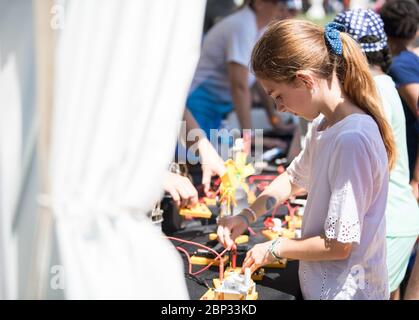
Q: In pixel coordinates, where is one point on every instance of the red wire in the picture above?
(251, 231)
(187, 256)
(217, 255)
(274, 210)
(233, 259)
(210, 264)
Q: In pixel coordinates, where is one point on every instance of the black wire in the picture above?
(198, 280)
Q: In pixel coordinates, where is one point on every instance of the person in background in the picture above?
(222, 80)
(402, 211)
(412, 289)
(401, 18)
(400, 22)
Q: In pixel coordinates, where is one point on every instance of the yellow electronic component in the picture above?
(210, 201)
(290, 234)
(279, 264)
(258, 274)
(216, 282)
(203, 261)
(200, 210)
(242, 239)
(233, 296)
(271, 235)
(235, 176)
(294, 222)
(218, 293)
(239, 240)
(251, 197)
(212, 236)
(230, 270)
(211, 295)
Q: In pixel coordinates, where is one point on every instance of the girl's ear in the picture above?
(305, 78)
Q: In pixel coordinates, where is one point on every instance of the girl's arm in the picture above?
(310, 249)
(313, 249)
(279, 190)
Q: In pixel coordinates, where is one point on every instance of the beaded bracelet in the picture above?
(272, 248)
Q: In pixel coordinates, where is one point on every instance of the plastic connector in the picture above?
(200, 210)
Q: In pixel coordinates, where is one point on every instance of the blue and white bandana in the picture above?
(362, 22)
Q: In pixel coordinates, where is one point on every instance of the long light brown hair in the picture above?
(292, 45)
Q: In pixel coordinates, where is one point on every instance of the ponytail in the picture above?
(360, 87)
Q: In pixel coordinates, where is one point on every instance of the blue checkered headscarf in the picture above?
(360, 23)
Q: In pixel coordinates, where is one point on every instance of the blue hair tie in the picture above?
(332, 37)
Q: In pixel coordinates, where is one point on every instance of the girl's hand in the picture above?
(229, 228)
(258, 256)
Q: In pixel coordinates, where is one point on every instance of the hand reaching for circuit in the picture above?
(258, 256)
(211, 163)
(229, 228)
(181, 189)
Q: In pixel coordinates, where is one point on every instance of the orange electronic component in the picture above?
(203, 261)
(200, 210)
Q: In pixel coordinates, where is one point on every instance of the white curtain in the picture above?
(123, 69)
(17, 144)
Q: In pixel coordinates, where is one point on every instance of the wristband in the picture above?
(252, 212)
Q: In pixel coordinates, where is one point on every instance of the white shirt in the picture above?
(344, 170)
(230, 40)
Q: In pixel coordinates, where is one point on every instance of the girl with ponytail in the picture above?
(322, 75)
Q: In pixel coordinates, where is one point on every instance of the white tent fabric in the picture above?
(17, 140)
(123, 69)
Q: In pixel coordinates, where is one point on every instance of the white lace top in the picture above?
(344, 170)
